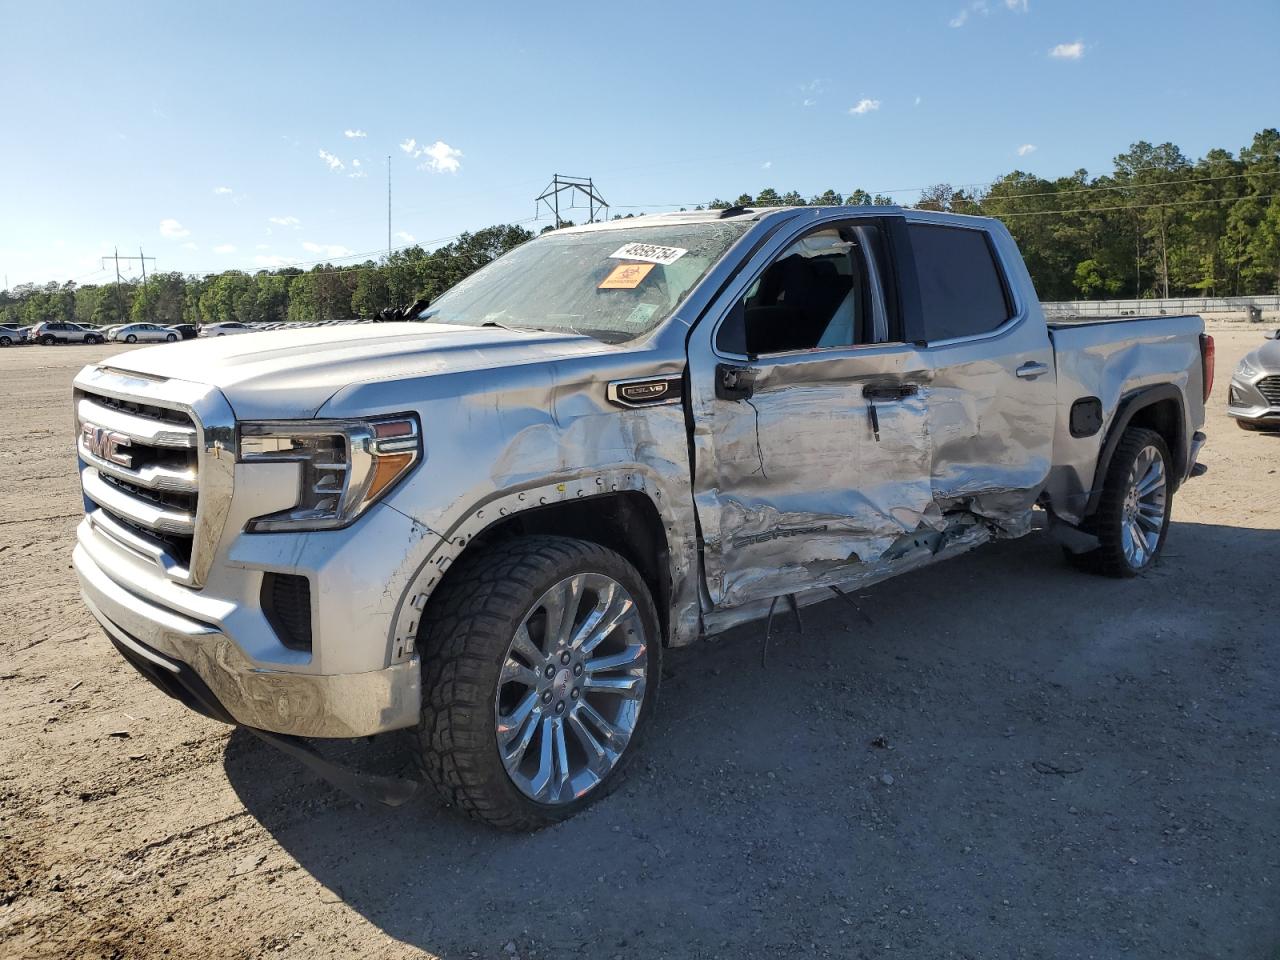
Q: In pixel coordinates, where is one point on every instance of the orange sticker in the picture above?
(625, 276)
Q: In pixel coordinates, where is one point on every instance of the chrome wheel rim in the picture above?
(1145, 502)
(571, 688)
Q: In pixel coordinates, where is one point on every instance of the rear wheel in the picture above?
(47, 340)
(6, 341)
(541, 663)
(1132, 520)
(171, 337)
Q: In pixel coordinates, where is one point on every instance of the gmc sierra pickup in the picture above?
(486, 525)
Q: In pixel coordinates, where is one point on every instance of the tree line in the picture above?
(1157, 225)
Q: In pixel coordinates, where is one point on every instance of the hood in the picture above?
(1266, 357)
(289, 374)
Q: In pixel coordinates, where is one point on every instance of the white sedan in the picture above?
(224, 329)
(145, 333)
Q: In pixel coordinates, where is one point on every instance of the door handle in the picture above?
(888, 392)
(1032, 369)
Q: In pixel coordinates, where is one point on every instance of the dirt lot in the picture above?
(1075, 767)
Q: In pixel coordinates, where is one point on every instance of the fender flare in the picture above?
(1129, 406)
(685, 615)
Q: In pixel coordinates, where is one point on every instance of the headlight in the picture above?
(345, 466)
(1246, 369)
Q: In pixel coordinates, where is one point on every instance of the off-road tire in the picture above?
(463, 641)
(1108, 559)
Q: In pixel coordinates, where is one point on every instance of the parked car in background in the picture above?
(1254, 395)
(145, 333)
(53, 332)
(12, 336)
(488, 524)
(187, 331)
(223, 329)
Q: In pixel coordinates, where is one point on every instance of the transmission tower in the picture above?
(596, 205)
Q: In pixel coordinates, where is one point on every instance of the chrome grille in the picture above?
(140, 465)
(1269, 387)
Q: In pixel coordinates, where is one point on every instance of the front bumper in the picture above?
(155, 638)
(1246, 401)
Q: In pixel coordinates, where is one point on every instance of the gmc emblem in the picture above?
(106, 444)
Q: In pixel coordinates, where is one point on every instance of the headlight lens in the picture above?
(345, 466)
(1246, 369)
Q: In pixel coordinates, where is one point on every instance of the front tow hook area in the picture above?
(362, 787)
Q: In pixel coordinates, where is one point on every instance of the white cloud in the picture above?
(333, 162)
(404, 237)
(271, 260)
(1016, 5)
(1026, 148)
(262, 246)
(328, 249)
(1068, 51)
(808, 102)
(960, 19)
(223, 191)
(355, 163)
(766, 165)
(354, 134)
(864, 106)
(919, 99)
(442, 158)
(189, 246)
(358, 175)
(225, 248)
(173, 229)
(285, 221)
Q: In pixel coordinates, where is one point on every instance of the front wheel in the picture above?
(1132, 521)
(541, 662)
(131, 339)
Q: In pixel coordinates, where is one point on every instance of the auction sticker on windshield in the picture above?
(648, 252)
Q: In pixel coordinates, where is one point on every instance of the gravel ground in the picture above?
(1014, 760)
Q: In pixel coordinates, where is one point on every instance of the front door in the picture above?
(811, 443)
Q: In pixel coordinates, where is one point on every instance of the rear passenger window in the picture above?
(961, 290)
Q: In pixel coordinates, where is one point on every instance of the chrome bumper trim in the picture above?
(302, 704)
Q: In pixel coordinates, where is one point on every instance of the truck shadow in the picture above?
(958, 775)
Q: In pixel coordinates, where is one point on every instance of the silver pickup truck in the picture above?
(486, 525)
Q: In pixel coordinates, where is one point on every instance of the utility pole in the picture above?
(574, 185)
(117, 258)
(388, 208)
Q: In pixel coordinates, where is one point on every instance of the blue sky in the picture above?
(246, 135)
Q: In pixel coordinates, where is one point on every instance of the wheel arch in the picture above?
(629, 510)
(1159, 408)
(625, 521)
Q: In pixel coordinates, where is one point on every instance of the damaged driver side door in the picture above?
(811, 445)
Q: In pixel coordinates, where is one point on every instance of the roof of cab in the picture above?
(747, 214)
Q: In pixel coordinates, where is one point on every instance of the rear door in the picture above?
(810, 438)
(992, 395)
